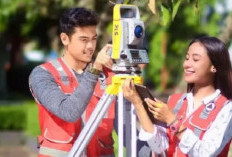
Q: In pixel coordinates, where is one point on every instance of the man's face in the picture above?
(81, 44)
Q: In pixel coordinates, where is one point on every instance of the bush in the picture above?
(20, 117)
(32, 125)
(12, 117)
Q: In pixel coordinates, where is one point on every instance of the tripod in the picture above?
(127, 53)
(101, 108)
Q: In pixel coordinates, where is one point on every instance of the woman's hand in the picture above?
(160, 110)
(130, 93)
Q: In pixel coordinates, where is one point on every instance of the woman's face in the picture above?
(198, 68)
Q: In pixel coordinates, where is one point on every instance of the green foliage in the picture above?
(32, 125)
(20, 117)
(169, 12)
(175, 8)
(31, 11)
(189, 12)
(156, 58)
(109, 28)
(12, 118)
(211, 26)
(181, 20)
(176, 50)
(165, 15)
(115, 137)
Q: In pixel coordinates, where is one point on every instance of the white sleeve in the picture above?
(214, 139)
(157, 141)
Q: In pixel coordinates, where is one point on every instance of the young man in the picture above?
(66, 89)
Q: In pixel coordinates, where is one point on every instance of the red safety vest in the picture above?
(102, 141)
(58, 136)
(199, 121)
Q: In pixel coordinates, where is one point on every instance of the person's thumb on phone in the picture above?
(159, 103)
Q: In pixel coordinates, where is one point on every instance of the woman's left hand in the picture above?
(160, 110)
(130, 93)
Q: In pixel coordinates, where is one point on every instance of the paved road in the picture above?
(15, 144)
(16, 151)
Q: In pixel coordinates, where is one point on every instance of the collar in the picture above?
(207, 99)
(211, 97)
(80, 71)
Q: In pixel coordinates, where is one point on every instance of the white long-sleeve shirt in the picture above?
(213, 141)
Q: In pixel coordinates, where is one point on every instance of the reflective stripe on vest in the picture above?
(100, 144)
(201, 112)
(201, 119)
(59, 69)
(198, 117)
(52, 152)
(98, 92)
(179, 104)
(55, 153)
(57, 134)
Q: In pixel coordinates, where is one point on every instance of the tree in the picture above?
(169, 26)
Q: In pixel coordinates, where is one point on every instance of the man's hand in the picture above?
(103, 58)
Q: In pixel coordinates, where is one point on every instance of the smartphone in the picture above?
(144, 92)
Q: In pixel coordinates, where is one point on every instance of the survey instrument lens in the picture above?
(138, 31)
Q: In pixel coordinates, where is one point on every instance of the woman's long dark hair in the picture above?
(219, 56)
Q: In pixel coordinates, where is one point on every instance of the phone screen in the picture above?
(144, 92)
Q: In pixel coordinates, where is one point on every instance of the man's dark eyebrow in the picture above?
(83, 37)
(195, 54)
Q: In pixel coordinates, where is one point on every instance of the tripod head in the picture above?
(128, 35)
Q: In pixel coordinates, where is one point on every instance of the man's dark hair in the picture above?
(77, 17)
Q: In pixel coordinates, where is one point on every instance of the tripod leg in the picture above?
(126, 110)
(133, 132)
(120, 124)
(127, 126)
(91, 125)
(130, 129)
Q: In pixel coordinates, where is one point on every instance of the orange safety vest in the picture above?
(58, 136)
(199, 121)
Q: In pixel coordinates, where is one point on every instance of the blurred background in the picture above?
(29, 36)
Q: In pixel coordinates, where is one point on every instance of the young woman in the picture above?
(197, 123)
